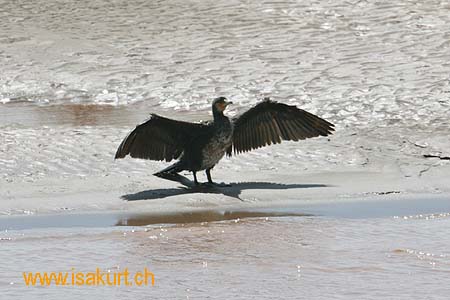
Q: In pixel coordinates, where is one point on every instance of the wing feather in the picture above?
(159, 138)
(270, 122)
(266, 130)
(276, 131)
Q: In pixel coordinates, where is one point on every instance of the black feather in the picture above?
(270, 122)
(159, 138)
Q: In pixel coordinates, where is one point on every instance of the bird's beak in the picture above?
(228, 103)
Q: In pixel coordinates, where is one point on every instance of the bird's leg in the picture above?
(208, 174)
(195, 177)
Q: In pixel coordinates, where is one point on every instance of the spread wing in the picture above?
(270, 122)
(159, 138)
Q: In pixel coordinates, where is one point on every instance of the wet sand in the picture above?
(356, 216)
(354, 209)
(292, 257)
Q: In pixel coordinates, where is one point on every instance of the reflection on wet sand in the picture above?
(108, 219)
(70, 114)
(83, 114)
(200, 216)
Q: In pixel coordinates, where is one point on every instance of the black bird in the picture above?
(200, 146)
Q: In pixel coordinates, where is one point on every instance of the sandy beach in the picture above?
(64, 169)
(361, 214)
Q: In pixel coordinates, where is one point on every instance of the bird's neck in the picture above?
(219, 116)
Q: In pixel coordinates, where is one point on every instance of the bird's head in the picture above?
(219, 104)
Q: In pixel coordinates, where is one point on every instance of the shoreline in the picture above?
(415, 205)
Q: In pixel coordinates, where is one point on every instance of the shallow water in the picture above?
(291, 257)
(359, 63)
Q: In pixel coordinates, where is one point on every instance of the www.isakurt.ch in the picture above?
(97, 278)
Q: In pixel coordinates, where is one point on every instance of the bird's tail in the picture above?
(170, 170)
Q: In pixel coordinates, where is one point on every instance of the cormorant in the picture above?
(200, 146)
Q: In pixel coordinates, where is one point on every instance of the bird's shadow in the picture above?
(232, 190)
